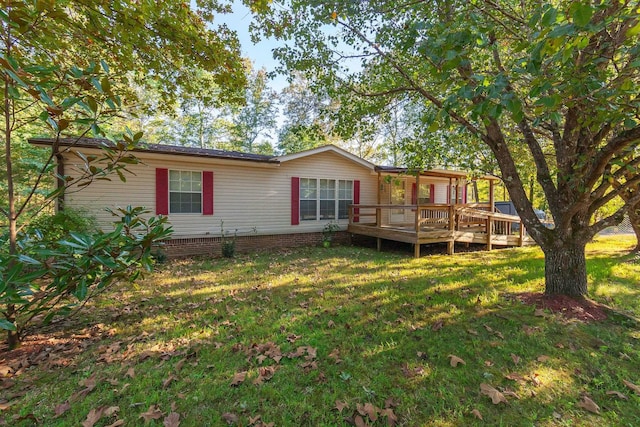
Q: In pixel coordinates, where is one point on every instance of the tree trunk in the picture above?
(634, 218)
(565, 270)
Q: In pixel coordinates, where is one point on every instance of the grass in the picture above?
(383, 327)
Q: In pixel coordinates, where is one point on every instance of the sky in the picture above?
(261, 53)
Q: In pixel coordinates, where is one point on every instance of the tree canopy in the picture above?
(553, 81)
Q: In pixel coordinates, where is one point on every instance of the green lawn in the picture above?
(289, 338)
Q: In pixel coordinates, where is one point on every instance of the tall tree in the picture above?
(256, 118)
(64, 66)
(306, 117)
(560, 78)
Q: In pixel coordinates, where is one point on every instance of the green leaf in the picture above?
(104, 65)
(582, 14)
(6, 325)
(630, 124)
(549, 17)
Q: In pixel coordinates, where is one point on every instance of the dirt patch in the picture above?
(581, 309)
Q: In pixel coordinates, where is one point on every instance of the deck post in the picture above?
(489, 232)
(451, 247)
(416, 250)
(378, 244)
(492, 204)
(521, 238)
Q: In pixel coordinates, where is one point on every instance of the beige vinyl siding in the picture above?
(250, 197)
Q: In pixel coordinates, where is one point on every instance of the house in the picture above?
(267, 201)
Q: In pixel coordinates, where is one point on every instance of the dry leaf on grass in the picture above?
(359, 421)
(172, 420)
(632, 386)
(589, 405)
(495, 395)
(153, 413)
(116, 424)
(543, 358)
(340, 405)
(476, 414)
(455, 360)
(515, 358)
(93, 417)
(392, 418)
(238, 378)
(131, 372)
(62, 408)
(617, 394)
(230, 418)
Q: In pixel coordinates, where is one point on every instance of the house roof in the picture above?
(161, 149)
(440, 173)
(328, 148)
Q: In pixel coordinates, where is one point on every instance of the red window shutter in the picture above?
(432, 193)
(162, 191)
(356, 200)
(207, 193)
(414, 194)
(295, 200)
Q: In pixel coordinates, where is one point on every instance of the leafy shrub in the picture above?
(61, 224)
(56, 278)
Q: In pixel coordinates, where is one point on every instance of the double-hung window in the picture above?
(325, 199)
(185, 192)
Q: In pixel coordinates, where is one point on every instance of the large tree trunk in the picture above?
(565, 269)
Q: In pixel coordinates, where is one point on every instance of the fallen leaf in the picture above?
(391, 402)
(371, 411)
(495, 395)
(111, 410)
(392, 419)
(131, 372)
(62, 408)
(509, 392)
(515, 358)
(437, 326)
(168, 381)
(589, 405)
(230, 418)
(331, 324)
(455, 360)
(254, 420)
(359, 421)
(476, 414)
(617, 394)
(93, 417)
(172, 420)
(238, 378)
(543, 358)
(116, 424)
(472, 331)
(632, 386)
(539, 312)
(341, 405)
(153, 413)
(515, 377)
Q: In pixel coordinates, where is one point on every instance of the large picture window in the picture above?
(325, 199)
(185, 192)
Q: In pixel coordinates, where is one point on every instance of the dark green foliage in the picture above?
(61, 224)
(49, 278)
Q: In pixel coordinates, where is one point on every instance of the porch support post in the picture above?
(378, 210)
(416, 249)
(378, 244)
(521, 238)
(417, 218)
(451, 245)
(489, 225)
(492, 203)
(457, 190)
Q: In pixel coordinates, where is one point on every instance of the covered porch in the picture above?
(434, 206)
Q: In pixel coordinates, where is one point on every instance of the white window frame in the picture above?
(183, 191)
(304, 188)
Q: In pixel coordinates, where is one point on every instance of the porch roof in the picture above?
(440, 173)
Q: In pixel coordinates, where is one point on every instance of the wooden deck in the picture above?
(438, 223)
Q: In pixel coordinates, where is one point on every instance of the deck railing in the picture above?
(474, 217)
